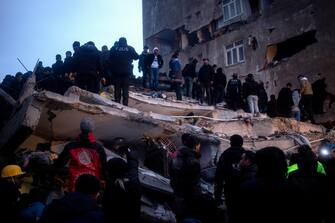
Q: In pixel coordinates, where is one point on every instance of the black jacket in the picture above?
(122, 197)
(234, 87)
(206, 74)
(10, 195)
(121, 59)
(87, 60)
(141, 62)
(250, 87)
(285, 102)
(68, 65)
(263, 99)
(11, 86)
(189, 70)
(150, 59)
(185, 172)
(267, 200)
(311, 196)
(227, 172)
(73, 208)
(58, 68)
(220, 80)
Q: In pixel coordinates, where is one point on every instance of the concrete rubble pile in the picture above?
(41, 117)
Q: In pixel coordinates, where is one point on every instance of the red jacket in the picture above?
(83, 156)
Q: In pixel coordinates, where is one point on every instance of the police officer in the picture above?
(122, 56)
(86, 63)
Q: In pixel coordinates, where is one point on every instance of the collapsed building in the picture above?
(276, 40)
(153, 126)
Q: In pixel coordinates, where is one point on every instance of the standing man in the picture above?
(306, 102)
(122, 56)
(143, 68)
(284, 101)
(219, 85)
(319, 94)
(67, 80)
(251, 92)
(105, 66)
(227, 176)
(68, 63)
(206, 74)
(76, 47)
(176, 75)
(234, 93)
(154, 63)
(185, 174)
(189, 74)
(87, 66)
(57, 67)
(58, 74)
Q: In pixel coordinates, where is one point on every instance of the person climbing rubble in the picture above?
(84, 155)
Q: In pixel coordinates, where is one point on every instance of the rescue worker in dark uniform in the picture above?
(87, 66)
(122, 55)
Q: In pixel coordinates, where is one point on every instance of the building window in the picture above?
(235, 53)
(231, 9)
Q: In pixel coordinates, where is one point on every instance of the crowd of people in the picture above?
(209, 85)
(83, 185)
(88, 68)
(91, 69)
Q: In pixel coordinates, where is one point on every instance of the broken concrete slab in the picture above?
(167, 107)
(255, 128)
(52, 117)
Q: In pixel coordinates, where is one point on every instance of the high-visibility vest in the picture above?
(294, 167)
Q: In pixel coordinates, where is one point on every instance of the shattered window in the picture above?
(235, 53)
(231, 9)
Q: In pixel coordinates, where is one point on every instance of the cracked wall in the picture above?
(278, 22)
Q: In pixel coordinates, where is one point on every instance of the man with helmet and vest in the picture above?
(84, 155)
(10, 183)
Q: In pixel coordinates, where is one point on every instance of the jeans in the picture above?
(154, 79)
(296, 115)
(253, 104)
(188, 86)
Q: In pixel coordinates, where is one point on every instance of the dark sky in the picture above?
(40, 29)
